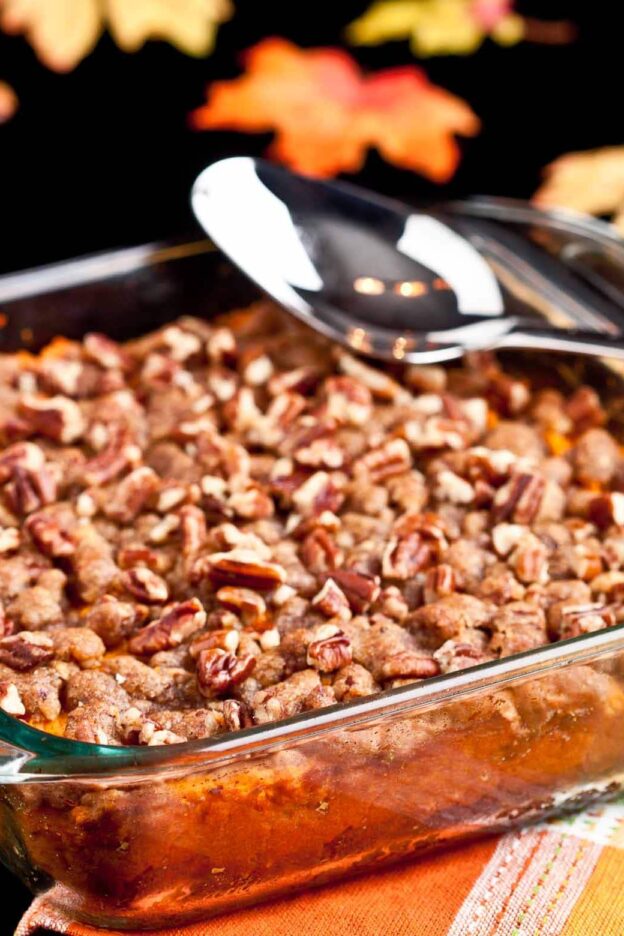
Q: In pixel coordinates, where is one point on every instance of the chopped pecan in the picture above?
(456, 655)
(319, 552)
(436, 433)
(9, 539)
(193, 529)
(244, 568)
(218, 671)
(114, 620)
(320, 453)
(226, 639)
(595, 457)
(241, 412)
(252, 504)
(146, 585)
(317, 494)
(119, 453)
(584, 409)
(300, 380)
(409, 664)
(451, 487)
(106, 352)
(529, 560)
(360, 590)
(392, 458)
(569, 620)
(49, 536)
(506, 536)
(519, 499)
(329, 649)
(58, 417)
(332, 601)
(221, 346)
(607, 509)
(353, 682)
(246, 602)
(132, 494)
(22, 652)
(236, 715)
(440, 580)
(380, 385)
(507, 396)
(30, 489)
(181, 344)
(405, 556)
(170, 630)
(24, 455)
(347, 401)
(10, 699)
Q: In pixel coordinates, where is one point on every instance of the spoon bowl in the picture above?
(399, 283)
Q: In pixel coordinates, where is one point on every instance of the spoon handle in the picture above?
(572, 342)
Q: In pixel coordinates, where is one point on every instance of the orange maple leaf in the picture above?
(326, 113)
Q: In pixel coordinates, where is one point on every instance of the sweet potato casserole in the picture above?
(222, 525)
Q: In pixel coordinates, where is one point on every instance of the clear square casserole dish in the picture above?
(142, 837)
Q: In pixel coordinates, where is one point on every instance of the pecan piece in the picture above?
(519, 499)
(348, 401)
(132, 494)
(329, 650)
(607, 509)
(24, 455)
(30, 489)
(567, 620)
(226, 639)
(193, 529)
(9, 540)
(244, 568)
(317, 494)
(246, 602)
(172, 629)
(409, 664)
(58, 417)
(332, 601)
(319, 552)
(392, 458)
(49, 536)
(146, 585)
(218, 671)
(380, 385)
(360, 589)
(440, 580)
(10, 699)
(236, 715)
(119, 453)
(106, 352)
(456, 655)
(22, 652)
(404, 557)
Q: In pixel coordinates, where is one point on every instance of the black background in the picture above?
(103, 157)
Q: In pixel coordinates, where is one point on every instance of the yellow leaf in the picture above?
(8, 102)
(191, 25)
(63, 32)
(592, 182)
(438, 27)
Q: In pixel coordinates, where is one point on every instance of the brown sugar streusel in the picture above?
(221, 525)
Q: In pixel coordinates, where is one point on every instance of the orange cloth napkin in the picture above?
(562, 878)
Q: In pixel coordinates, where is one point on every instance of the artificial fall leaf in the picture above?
(592, 182)
(326, 113)
(63, 32)
(8, 102)
(450, 27)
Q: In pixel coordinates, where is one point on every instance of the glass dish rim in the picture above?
(40, 756)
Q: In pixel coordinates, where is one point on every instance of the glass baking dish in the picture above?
(147, 837)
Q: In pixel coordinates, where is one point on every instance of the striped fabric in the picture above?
(561, 878)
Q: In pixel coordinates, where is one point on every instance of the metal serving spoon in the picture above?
(419, 286)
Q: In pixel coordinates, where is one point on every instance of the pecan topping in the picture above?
(193, 527)
(10, 699)
(519, 499)
(249, 604)
(329, 650)
(409, 664)
(218, 671)
(252, 504)
(404, 557)
(380, 385)
(332, 601)
(607, 509)
(360, 590)
(236, 715)
(440, 580)
(57, 417)
(227, 639)
(132, 494)
(348, 401)
(574, 620)
(317, 494)
(244, 568)
(319, 551)
(24, 455)
(119, 453)
(49, 536)
(146, 585)
(105, 352)
(22, 652)
(530, 560)
(176, 624)
(9, 540)
(30, 489)
(390, 459)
